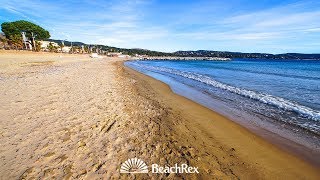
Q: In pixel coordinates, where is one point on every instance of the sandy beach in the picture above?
(73, 117)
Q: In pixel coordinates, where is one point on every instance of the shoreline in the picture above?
(243, 138)
(81, 118)
(299, 143)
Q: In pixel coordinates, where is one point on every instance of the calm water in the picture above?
(287, 91)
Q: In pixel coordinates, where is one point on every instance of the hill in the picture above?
(198, 53)
(226, 54)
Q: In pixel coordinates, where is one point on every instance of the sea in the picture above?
(284, 93)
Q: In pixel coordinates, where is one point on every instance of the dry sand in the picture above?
(74, 117)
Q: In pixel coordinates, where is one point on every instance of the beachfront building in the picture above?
(124, 56)
(117, 54)
(65, 49)
(45, 44)
(141, 56)
(114, 54)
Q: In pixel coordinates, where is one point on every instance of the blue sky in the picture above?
(169, 25)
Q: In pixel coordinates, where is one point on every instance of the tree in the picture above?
(38, 46)
(52, 48)
(15, 28)
(61, 46)
(16, 41)
(4, 41)
(86, 49)
(75, 49)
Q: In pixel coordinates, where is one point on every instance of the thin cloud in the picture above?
(198, 24)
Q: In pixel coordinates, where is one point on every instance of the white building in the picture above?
(45, 44)
(114, 54)
(66, 49)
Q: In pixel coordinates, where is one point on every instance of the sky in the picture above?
(269, 26)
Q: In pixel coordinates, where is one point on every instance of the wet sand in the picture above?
(74, 117)
(237, 151)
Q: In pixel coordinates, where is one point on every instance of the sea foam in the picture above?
(261, 97)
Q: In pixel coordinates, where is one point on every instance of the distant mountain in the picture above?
(198, 53)
(226, 54)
